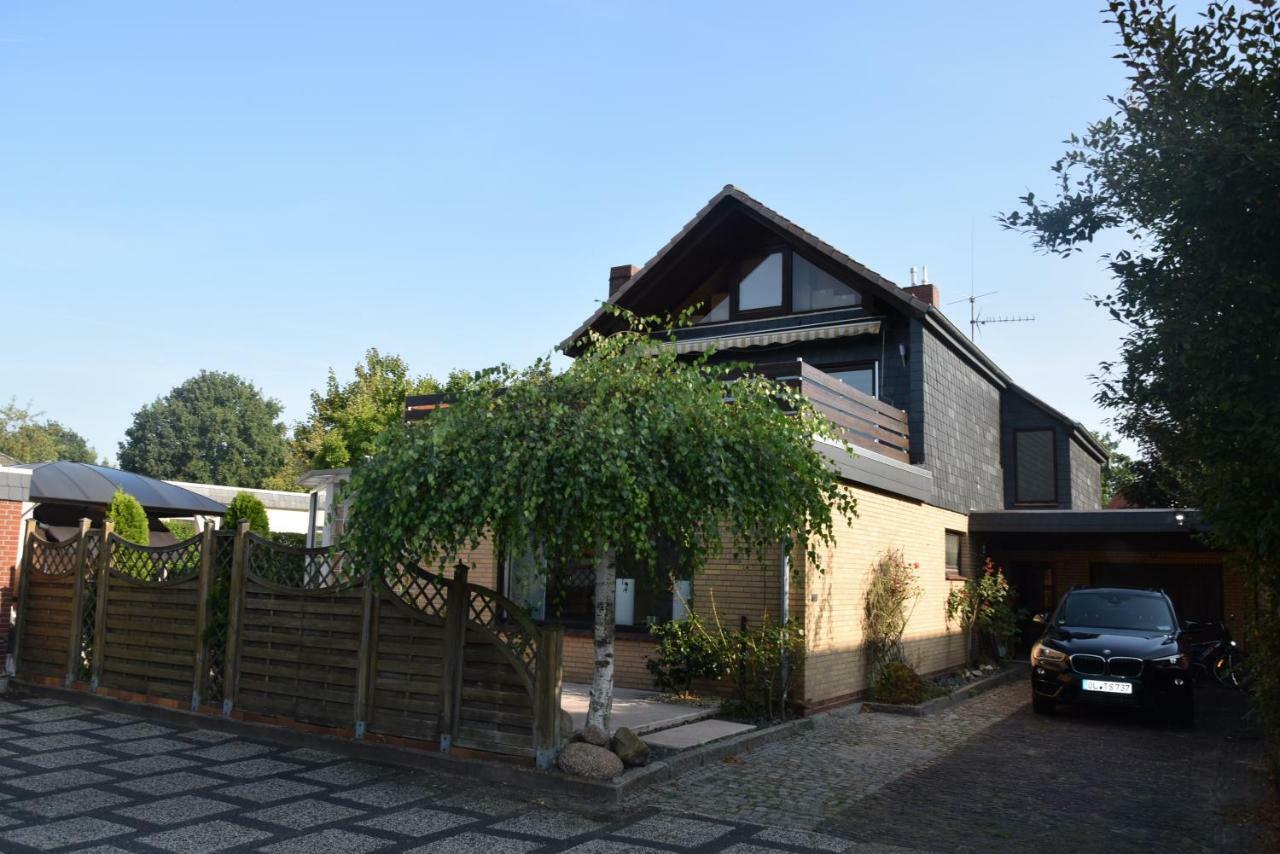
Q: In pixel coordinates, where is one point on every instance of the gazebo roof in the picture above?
(84, 484)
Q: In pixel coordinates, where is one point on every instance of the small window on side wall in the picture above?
(1035, 470)
(761, 288)
(955, 542)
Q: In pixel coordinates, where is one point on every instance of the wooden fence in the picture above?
(235, 623)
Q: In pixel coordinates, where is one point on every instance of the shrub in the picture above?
(751, 658)
(288, 538)
(685, 652)
(180, 528)
(892, 591)
(129, 518)
(246, 506)
(984, 609)
(899, 684)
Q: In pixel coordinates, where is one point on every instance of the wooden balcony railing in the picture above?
(867, 422)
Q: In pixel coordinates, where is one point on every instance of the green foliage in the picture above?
(892, 591)
(751, 659)
(214, 428)
(684, 652)
(288, 538)
(129, 518)
(347, 418)
(627, 448)
(180, 528)
(984, 609)
(1188, 167)
(245, 505)
(27, 439)
(898, 683)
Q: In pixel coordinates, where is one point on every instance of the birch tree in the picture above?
(628, 448)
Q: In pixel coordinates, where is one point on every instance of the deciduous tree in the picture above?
(28, 439)
(214, 428)
(627, 448)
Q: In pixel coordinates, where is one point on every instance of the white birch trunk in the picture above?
(601, 706)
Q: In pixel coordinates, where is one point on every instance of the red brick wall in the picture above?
(10, 537)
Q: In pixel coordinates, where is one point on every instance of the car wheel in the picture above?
(1041, 705)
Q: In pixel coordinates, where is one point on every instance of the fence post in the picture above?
(235, 609)
(548, 676)
(455, 639)
(103, 571)
(201, 673)
(24, 568)
(367, 665)
(75, 646)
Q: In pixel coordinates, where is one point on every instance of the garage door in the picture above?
(1196, 590)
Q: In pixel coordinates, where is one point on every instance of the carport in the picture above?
(1045, 552)
(65, 492)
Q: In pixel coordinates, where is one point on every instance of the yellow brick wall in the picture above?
(835, 667)
(629, 654)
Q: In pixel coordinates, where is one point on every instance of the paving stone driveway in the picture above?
(76, 778)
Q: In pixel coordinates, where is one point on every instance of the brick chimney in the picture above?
(926, 293)
(619, 276)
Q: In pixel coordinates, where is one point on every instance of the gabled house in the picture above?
(954, 461)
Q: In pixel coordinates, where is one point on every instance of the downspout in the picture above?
(784, 608)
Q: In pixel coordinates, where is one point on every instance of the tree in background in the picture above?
(29, 440)
(1186, 170)
(214, 428)
(1117, 471)
(247, 506)
(129, 518)
(628, 448)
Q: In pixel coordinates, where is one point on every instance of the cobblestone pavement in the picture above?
(801, 782)
(76, 778)
(1085, 779)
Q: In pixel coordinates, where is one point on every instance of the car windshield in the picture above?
(1115, 609)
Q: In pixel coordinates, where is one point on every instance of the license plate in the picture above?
(1108, 687)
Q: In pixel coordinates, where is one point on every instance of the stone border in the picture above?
(1015, 670)
(511, 772)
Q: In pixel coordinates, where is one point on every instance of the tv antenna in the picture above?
(977, 321)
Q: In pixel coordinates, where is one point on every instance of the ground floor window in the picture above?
(567, 595)
(955, 543)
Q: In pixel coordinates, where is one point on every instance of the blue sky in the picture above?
(270, 189)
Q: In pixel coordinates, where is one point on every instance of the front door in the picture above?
(1033, 593)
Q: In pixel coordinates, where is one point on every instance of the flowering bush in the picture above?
(891, 594)
(984, 609)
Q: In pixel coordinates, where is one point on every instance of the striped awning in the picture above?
(779, 336)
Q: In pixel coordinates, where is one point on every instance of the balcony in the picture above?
(867, 422)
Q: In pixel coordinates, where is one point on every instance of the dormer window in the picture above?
(761, 287)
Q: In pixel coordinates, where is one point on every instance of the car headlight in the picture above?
(1048, 653)
(1179, 661)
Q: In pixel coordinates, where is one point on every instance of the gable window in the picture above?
(1035, 469)
(813, 289)
(762, 287)
(955, 540)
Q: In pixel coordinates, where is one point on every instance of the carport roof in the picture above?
(81, 483)
(1158, 520)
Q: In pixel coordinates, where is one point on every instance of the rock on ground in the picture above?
(592, 734)
(589, 760)
(629, 748)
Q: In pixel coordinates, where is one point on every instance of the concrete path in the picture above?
(639, 710)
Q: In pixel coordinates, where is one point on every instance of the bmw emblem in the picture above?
(1106, 652)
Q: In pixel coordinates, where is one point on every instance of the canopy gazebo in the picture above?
(66, 492)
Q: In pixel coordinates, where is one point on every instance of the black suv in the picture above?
(1113, 645)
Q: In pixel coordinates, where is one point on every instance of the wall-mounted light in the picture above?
(1179, 518)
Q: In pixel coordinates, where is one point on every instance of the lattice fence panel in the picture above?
(407, 669)
(496, 709)
(215, 634)
(426, 591)
(46, 618)
(305, 569)
(152, 601)
(89, 603)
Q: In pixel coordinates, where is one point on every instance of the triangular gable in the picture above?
(723, 203)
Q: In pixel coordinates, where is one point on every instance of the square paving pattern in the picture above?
(76, 778)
